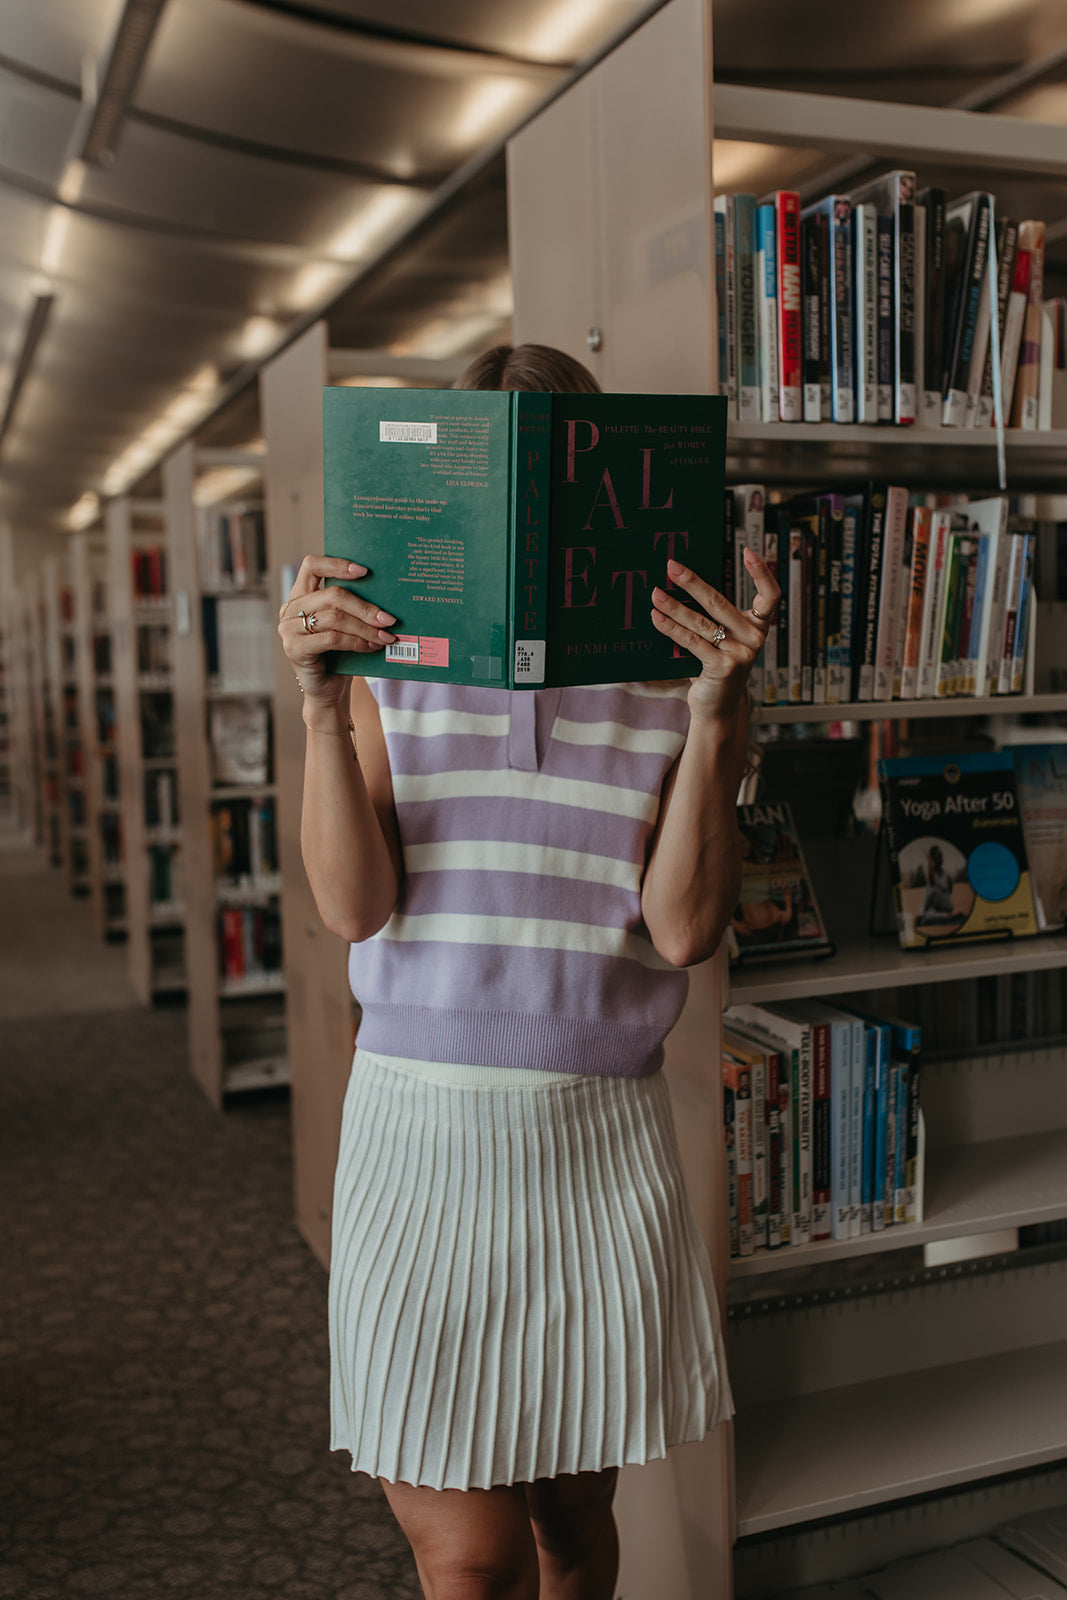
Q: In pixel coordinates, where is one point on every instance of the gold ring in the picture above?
(310, 622)
(304, 619)
(759, 614)
(718, 636)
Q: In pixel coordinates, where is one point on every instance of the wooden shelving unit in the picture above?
(147, 755)
(845, 1403)
(236, 1019)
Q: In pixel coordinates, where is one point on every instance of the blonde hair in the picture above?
(536, 368)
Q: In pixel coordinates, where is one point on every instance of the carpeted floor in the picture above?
(163, 1357)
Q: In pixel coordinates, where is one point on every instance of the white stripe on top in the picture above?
(431, 724)
(606, 798)
(500, 855)
(639, 741)
(528, 933)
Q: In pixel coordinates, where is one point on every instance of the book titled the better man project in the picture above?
(517, 537)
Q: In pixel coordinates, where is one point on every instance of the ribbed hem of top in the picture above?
(545, 1043)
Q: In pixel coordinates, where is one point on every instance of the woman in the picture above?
(519, 1299)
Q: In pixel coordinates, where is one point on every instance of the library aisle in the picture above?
(164, 1373)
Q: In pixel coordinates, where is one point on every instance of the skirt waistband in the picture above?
(458, 1076)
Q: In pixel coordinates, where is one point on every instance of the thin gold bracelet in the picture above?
(332, 733)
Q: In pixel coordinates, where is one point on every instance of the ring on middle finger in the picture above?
(718, 636)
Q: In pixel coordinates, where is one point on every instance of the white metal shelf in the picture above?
(252, 983)
(907, 135)
(880, 963)
(1014, 705)
(839, 1450)
(969, 1189)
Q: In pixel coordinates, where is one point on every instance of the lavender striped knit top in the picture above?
(525, 820)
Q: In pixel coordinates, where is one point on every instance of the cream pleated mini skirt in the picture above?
(518, 1288)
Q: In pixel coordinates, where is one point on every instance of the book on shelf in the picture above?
(249, 942)
(778, 914)
(517, 537)
(1041, 780)
(957, 853)
(852, 1121)
(244, 840)
(233, 547)
(149, 571)
(239, 734)
(238, 632)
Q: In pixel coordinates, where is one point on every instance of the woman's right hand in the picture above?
(343, 621)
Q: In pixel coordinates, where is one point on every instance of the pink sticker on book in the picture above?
(433, 652)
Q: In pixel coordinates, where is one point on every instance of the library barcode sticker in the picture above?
(418, 650)
(407, 433)
(405, 650)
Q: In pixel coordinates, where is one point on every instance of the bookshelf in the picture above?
(142, 614)
(96, 713)
(925, 1382)
(223, 631)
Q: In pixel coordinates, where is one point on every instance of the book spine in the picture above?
(889, 1193)
(911, 1157)
(826, 401)
(904, 308)
(751, 501)
(720, 292)
(865, 267)
(929, 657)
(767, 286)
(807, 613)
(820, 606)
(1026, 593)
(741, 1083)
(787, 204)
(785, 604)
(841, 1104)
(797, 613)
(900, 1163)
(774, 1155)
(1009, 235)
(803, 1145)
(748, 387)
(886, 375)
(759, 1152)
(729, 1123)
(903, 603)
(934, 318)
(812, 311)
(1014, 316)
(982, 341)
(920, 553)
(891, 598)
(881, 1135)
(531, 447)
(1006, 647)
(870, 1128)
(821, 1134)
(955, 412)
(857, 1075)
(842, 357)
(955, 560)
(992, 613)
(770, 647)
(1024, 401)
(919, 213)
(849, 562)
(836, 655)
(786, 1120)
(975, 608)
(731, 303)
(966, 617)
(875, 509)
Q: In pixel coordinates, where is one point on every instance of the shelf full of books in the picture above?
(233, 884)
(140, 823)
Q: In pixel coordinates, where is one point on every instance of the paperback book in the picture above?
(778, 914)
(956, 849)
(517, 537)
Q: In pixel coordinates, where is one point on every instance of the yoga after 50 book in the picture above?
(517, 537)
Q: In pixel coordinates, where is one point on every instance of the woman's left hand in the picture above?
(738, 636)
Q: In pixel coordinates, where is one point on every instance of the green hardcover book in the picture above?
(517, 537)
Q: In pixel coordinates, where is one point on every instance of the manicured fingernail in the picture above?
(387, 638)
(659, 594)
(384, 616)
(749, 552)
(356, 570)
(675, 566)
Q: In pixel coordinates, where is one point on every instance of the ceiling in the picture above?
(269, 158)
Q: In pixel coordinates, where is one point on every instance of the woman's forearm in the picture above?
(693, 877)
(350, 867)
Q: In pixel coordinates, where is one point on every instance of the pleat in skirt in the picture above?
(518, 1287)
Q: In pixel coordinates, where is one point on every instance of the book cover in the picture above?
(967, 244)
(837, 210)
(1014, 316)
(239, 732)
(1026, 597)
(956, 849)
(748, 360)
(767, 305)
(517, 537)
(778, 914)
(868, 593)
(865, 272)
(886, 352)
(989, 520)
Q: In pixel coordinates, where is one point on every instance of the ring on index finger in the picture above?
(761, 616)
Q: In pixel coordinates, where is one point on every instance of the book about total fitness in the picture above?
(957, 851)
(517, 537)
(777, 915)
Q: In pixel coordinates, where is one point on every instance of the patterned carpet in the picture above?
(163, 1356)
